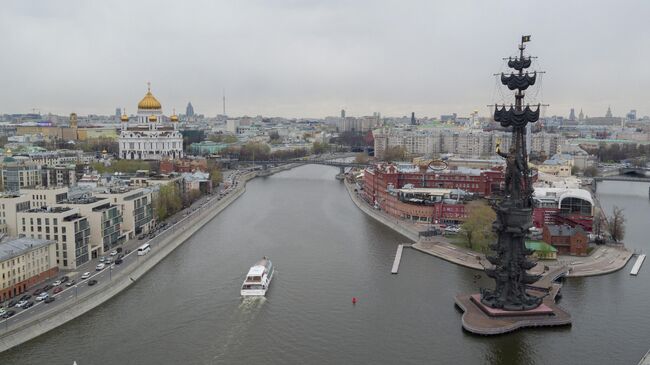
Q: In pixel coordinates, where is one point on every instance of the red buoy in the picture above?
(354, 300)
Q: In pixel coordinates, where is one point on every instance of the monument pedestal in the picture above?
(483, 320)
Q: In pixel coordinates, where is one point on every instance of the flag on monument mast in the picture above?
(525, 38)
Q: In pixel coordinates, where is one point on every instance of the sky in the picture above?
(310, 58)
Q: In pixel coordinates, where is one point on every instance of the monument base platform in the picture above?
(483, 320)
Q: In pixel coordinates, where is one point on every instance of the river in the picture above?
(187, 310)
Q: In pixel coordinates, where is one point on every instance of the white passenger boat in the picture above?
(258, 278)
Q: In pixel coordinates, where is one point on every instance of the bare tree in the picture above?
(616, 225)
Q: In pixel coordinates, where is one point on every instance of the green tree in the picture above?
(320, 147)
(122, 166)
(167, 202)
(216, 176)
(477, 228)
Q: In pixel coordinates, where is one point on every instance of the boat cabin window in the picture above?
(254, 278)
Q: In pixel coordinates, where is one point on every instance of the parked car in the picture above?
(2, 311)
(25, 297)
(49, 300)
(21, 304)
(28, 305)
(118, 261)
(108, 261)
(141, 237)
(64, 279)
(9, 314)
(37, 291)
(114, 252)
(100, 267)
(119, 249)
(92, 282)
(85, 275)
(12, 303)
(41, 297)
(57, 290)
(102, 259)
(47, 287)
(120, 256)
(57, 283)
(70, 283)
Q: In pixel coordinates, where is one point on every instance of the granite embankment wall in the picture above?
(59, 315)
(391, 223)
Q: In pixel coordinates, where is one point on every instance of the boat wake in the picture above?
(241, 321)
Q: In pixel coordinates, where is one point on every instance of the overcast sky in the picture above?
(309, 58)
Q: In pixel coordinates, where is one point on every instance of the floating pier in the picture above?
(637, 264)
(398, 258)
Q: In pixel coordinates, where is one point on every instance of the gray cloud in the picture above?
(310, 58)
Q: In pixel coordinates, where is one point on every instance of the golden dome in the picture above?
(174, 118)
(152, 118)
(124, 118)
(104, 152)
(149, 101)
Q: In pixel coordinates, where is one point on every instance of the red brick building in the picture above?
(566, 239)
(424, 195)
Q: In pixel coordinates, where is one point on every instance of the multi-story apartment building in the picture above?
(66, 226)
(59, 175)
(45, 197)
(10, 205)
(19, 172)
(471, 143)
(136, 206)
(105, 221)
(25, 262)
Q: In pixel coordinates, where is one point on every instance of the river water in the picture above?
(187, 310)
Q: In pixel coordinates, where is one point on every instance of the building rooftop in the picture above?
(13, 247)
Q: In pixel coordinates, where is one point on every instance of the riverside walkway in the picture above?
(603, 259)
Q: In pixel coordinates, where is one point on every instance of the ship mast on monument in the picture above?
(514, 212)
(519, 299)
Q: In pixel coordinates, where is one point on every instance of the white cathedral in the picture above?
(150, 136)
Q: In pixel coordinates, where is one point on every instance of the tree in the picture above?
(319, 148)
(395, 153)
(575, 170)
(216, 176)
(477, 228)
(130, 166)
(274, 136)
(616, 224)
(168, 202)
(590, 171)
(361, 158)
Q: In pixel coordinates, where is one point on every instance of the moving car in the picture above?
(2, 312)
(118, 261)
(114, 252)
(49, 300)
(70, 283)
(100, 267)
(57, 283)
(42, 296)
(92, 282)
(28, 305)
(102, 259)
(57, 290)
(85, 275)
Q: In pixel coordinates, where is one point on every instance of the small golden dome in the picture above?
(8, 152)
(174, 118)
(152, 118)
(104, 152)
(149, 102)
(124, 118)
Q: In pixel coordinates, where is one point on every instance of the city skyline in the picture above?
(305, 59)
